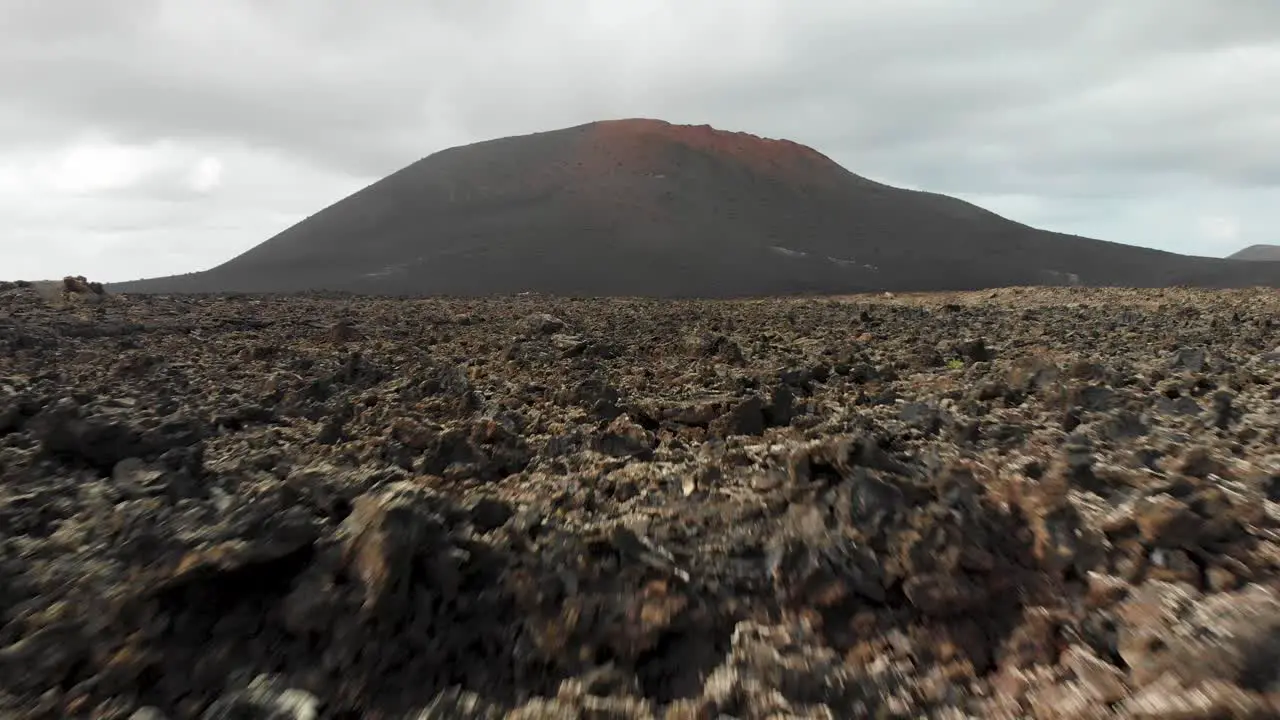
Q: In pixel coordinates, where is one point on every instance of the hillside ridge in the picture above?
(1257, 252)
(644, 207)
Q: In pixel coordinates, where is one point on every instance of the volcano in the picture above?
(647, 208)
(1257, 252)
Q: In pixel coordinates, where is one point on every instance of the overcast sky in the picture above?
(149, 137)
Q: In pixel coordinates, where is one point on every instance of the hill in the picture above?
(644, 207)
(1257, 252)
(537, 507)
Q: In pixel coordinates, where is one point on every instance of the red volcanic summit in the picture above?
(645, 207)
(632, 144)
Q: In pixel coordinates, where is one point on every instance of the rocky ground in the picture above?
(1019, 503)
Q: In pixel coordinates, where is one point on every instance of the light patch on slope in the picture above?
(842, 262)
(388, 270)
(788, 252)
(850, 262)
(1064, 278)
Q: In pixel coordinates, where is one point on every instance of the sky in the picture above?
(150, 137)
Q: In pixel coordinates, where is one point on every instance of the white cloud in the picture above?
(175, 134)
(166, 217)
(1220, 230)
(206, 176)
(92, 165)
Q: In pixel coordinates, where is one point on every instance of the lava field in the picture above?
(1018, 503)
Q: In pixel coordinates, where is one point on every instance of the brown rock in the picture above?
(745, 418)
(1171, 629)
(1212, 700)
(342, 332)
(1167, 522)
(1067, 701)
(1062, 540)
(78, 285)
(1104, 682)
(380, 539)
(1219, 578)
(413, 434)
(1105, 590)
(1035, 641)
(1174, 566)
(155, 449)
(540, 324)
(1200, 462)
(1033, 373)
(625, 438)
(942, 595)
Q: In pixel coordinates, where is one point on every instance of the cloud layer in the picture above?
(144, 137)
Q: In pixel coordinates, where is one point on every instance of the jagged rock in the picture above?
(467, 509)
(490, 513)
(381, 537)
(266, 698)
(1204, 701)
(976, 350)
(1103, 682)
(1189, 358)
(811, 565)
(342, 332)
(80, 286)
(1166, 522)
(745, 418)
(1033, 374)
(714, 345)
(1063, 541)
(102, 439)
(624, 438)
(782, 406)
(1232, 637)
(540, 324)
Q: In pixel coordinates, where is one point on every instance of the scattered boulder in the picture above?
(539, 324)
(744, 418)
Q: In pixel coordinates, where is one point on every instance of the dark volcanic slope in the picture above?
(643, 207)
(1257, 252)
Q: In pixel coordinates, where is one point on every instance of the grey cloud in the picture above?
(359, 91)
(1082, 105)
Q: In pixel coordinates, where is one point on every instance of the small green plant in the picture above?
(955, 364)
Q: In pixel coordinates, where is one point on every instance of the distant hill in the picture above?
(644, 207)
(1257, 252)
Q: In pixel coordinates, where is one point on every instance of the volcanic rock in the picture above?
(772, 518)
